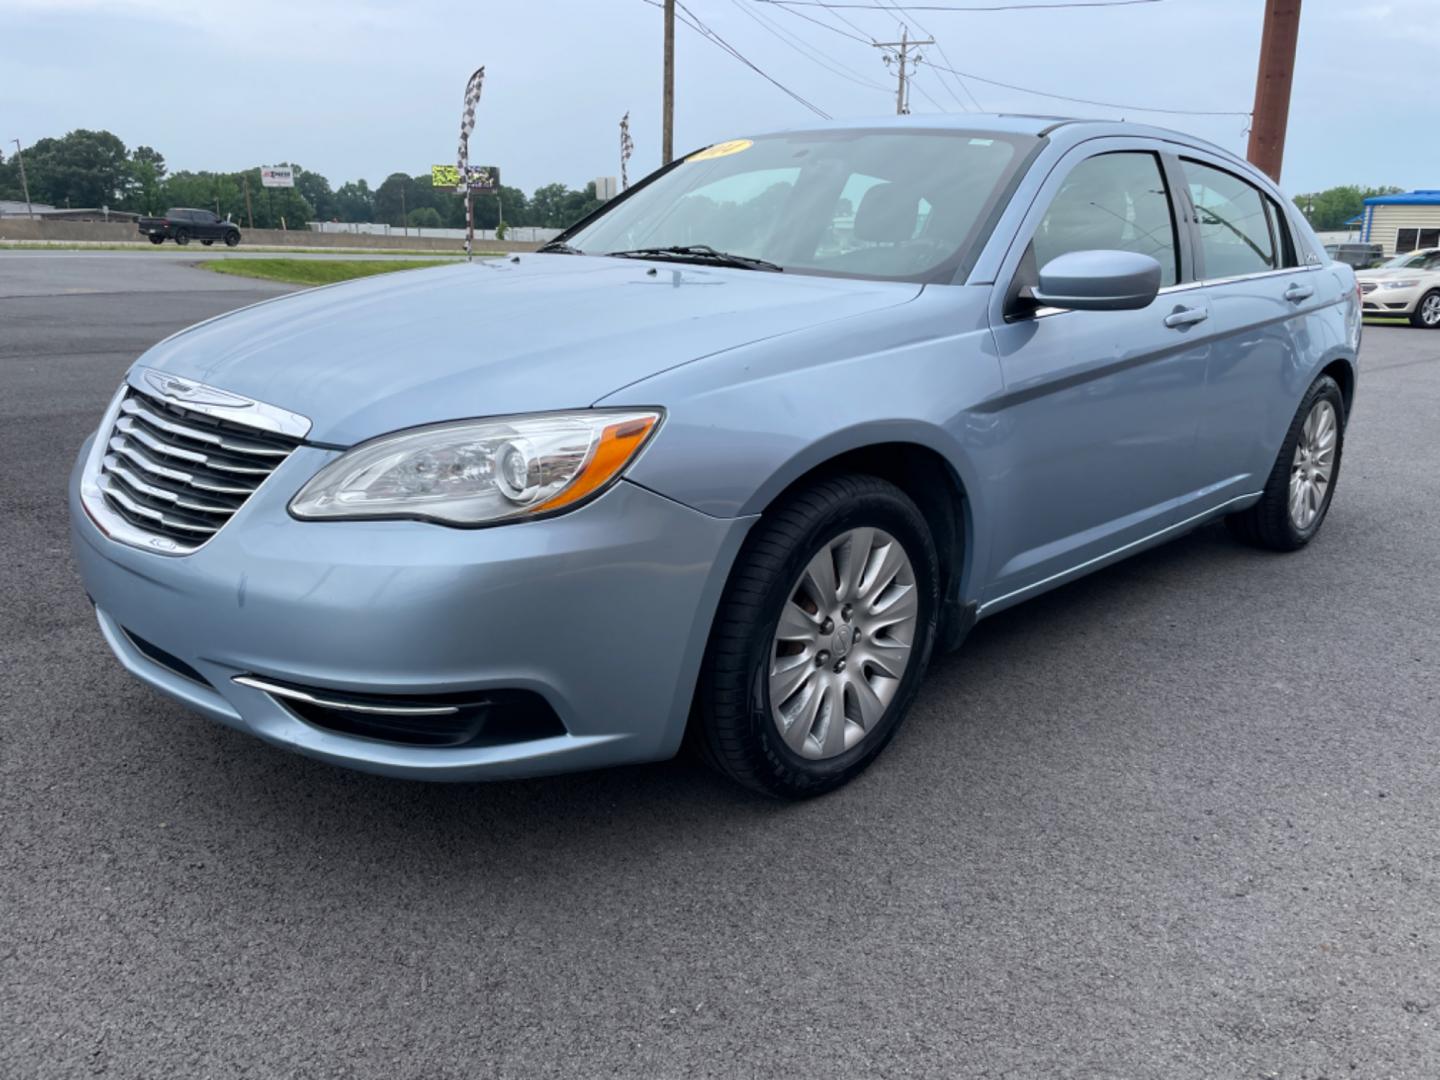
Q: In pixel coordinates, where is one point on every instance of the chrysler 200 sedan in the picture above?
(729, 459)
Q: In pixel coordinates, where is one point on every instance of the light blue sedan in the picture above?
(732, 458)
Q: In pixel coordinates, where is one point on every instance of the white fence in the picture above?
(526, 233)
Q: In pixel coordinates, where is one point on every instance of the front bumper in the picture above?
(603, 612)
(1391, 302)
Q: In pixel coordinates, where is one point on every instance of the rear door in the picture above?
(1096, 430)
(1261, 290)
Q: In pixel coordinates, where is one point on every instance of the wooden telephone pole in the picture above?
(667, 108)
(903, 57)
(1272, 86)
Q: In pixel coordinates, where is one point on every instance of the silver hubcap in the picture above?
(1430, 310)
(1314, 464)
(843, 643)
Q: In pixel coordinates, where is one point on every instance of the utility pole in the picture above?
(903, 57)
(20, 157)
(667, 108)
(405, 220)
(1272, 86)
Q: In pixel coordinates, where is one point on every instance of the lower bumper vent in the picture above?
(473, 719)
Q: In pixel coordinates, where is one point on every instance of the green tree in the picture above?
(315, 190)
(354, 201)
(81, 169)
(1329, 209)
(427, 217)
(392, 199)
(147, 173)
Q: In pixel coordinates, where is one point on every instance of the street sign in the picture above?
(482, 178)
(277, 176)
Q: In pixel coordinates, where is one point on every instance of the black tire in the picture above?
(733, 724)
(207, 243)
(1427, 311)
(232, 238)
(1268, 524)
(182, 236)
(157, 239)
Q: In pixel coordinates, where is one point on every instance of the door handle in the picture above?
(1296, 293)
(1186, 317)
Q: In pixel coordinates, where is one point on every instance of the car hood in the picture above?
(495, 337)
(1381, 275)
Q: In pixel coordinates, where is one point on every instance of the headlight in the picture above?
(479, 472)
(1408, 283)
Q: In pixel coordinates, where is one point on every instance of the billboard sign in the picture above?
(482, 178)
(277, 176)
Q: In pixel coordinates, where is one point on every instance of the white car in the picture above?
(1408, 285)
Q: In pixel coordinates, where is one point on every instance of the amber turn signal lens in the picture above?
(618, 444)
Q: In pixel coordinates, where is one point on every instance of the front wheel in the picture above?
(231, 239)
(1427, 311)
(1297, 495)
(821, 640)
(182, 236)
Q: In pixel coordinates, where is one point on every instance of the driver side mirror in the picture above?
(1098, 281)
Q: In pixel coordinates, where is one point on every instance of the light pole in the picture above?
(20, 157)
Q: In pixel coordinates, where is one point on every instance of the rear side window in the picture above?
(1112, 202)
(1233, 223)
(1280, 229)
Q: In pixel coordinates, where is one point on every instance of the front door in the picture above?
(1097, 425)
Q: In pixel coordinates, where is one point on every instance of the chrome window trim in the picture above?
(1186, 286)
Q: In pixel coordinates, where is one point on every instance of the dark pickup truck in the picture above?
(183, 225)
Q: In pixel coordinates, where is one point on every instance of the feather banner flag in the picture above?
(467, 119)
(627, 147)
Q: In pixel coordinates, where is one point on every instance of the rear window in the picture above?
(1233, 222)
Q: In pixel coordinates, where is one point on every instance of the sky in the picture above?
(359, 88)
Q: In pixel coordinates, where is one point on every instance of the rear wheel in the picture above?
(157, 239)
(821, 640)
(1301, 484)
(1427, 311)
(182, 236)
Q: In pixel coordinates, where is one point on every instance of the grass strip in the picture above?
(315, 271)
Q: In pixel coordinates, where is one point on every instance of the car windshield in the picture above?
(1401, 262)
(897, 205)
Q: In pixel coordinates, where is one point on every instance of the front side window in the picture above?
(1232, 222)
(907, 206)
(1112, 202)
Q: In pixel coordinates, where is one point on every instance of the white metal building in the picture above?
(1402, 223)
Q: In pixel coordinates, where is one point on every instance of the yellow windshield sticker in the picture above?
(724, 149)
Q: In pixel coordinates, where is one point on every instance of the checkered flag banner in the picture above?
(627, 147)
(467, 120)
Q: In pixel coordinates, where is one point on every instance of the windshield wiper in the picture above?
(699, 253)
(559, 247)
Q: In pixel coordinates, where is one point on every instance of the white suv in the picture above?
(1408, 285)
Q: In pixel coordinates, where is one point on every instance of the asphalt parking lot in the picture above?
(1180, 819)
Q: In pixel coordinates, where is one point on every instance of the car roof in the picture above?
(1072, 128)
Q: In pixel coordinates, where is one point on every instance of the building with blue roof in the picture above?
(1404, 222)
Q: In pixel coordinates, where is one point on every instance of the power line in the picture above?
(690, 19)
(809, 51)
(1090, 101)
(944, 56)
(828, 26)
(833, 5)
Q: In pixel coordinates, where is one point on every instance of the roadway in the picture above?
(1177, 820)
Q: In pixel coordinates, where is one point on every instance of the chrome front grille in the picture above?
(177, 474)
